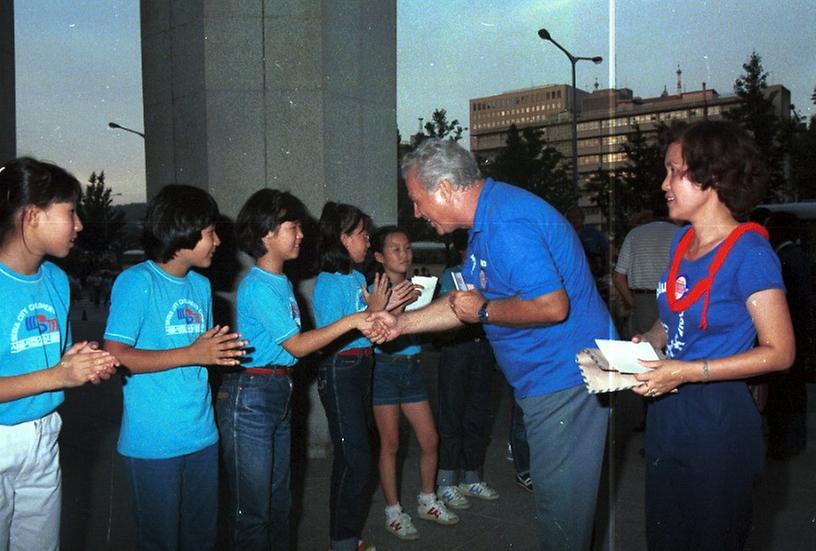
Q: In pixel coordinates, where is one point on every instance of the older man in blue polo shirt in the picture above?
(533, 292)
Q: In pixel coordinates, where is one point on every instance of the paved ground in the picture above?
(97, 511)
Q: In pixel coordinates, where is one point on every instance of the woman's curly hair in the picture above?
(722, 155)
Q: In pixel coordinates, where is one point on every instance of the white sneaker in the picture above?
(437, 512)
(480, 490)
(452, 497)
(402, 527)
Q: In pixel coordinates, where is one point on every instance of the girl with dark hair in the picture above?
(398, 386)
(254, 414)
(723, 318)
(37, 359)
(344, 376)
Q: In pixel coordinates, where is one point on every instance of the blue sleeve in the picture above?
(273, 312)
(129, 298)
(526, 261)
(759, 267)
(327, 303)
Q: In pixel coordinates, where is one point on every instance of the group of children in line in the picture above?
(160, 335)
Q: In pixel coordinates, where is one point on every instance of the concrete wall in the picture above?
(297, 95)
(8, 112)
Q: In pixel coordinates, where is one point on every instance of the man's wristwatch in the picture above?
(483, 312)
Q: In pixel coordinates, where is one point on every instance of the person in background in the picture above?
(786, 409)
(642, 258)
(595, 243)
(466, 366)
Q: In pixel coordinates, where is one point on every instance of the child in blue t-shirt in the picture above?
(344, 377)
(37, 360)
(254, 402)
(398, 385)
(160, 327)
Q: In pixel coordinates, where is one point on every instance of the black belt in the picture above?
(642, 291)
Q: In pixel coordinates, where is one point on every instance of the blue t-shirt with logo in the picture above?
(715, 422)
(337, 295)
(268, 315)
(520, 245)
(166, 413)
(35, 333)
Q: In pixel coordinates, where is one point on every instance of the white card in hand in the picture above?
(623, 355)
(459, 281)
(428, 287)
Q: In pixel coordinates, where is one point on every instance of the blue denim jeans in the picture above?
(397, 380)
(465, 374)
(566, 432)
(255, 425)
(518, 440)
(344, 385)
(175, 501)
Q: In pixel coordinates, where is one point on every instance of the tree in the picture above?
(756, 114)
(529, 162)
(439, 127)
(104, 225)
(799, 139)
(623, 193)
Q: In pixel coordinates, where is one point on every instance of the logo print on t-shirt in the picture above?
(294, 311)
(36, 325)
(680, 287)
(184, 318)
(483, 274)
(361, 302)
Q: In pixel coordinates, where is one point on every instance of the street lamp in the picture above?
(125, 128)
(545, 35)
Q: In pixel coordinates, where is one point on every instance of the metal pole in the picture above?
(125, 128)
(545, 35)
(574, 133)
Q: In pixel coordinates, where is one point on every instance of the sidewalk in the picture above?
(97, 511)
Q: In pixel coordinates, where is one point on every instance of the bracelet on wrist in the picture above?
(706, 373)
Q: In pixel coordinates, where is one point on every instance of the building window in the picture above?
(591, 125)
(609, 158)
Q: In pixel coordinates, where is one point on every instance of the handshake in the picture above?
(456, 308)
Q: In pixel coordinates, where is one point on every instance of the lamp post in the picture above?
(545, 35)
(125, 128)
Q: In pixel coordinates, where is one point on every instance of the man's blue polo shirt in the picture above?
(519, 245)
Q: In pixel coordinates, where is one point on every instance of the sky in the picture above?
(79, 62)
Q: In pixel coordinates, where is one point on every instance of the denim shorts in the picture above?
(397, 380)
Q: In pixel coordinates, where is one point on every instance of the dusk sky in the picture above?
(78, 62)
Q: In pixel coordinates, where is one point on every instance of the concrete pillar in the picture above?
(8, 113)
(297, 95)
